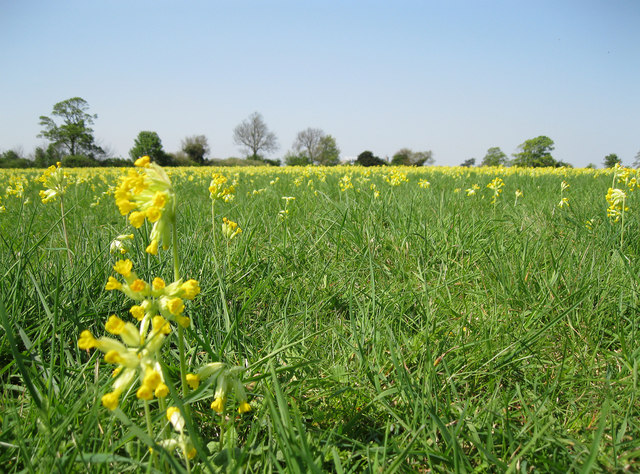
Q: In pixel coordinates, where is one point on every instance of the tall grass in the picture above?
(423, 329)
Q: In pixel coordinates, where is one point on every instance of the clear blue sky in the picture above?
(454, 77)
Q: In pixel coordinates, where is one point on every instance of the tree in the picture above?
(254, 136)
(307, 143)
(295, 159)
(367, 158)
(407, 157)
(494, 157)
(329, 151)
(196, 148)
(468, 163)
(74, 135)
(611, 160)
(149, 144)
(535, 152)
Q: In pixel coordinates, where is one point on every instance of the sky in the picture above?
(454, 77)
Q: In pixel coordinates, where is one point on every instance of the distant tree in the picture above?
(45, 158)
(407, 157)
(329, 152)
(307, 143)
(592, 166)
(611, 160)
(535, 152)
(73, 136)
(468, 163)
(196, 148)
(295, 159)
(367, 158)
(254, 136)
(149, 144)
(494, 157)
(12, 159)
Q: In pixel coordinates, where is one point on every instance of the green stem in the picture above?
(176, 276)
(64, 230)
(147, 416)
(622, 224)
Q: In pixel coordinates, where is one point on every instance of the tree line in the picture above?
(72, 142)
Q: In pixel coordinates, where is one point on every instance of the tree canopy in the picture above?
(196, 148)
(367, 158)
(494, 157)
(149, 144)
(535, 152)
(254, 136)
(611, 160)
(74, 136)
(407, 157)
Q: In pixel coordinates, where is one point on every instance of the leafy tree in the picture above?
(329, 151)
(407, 157)
(296, 159)
(74, 135)
(254, 136)
(44, 158)
(494, 157)
(468, 163)
(611, 160)
(12, 159)
(149, 144)
(367, 158)
(535, 152)
(591, 166)
(196, 148)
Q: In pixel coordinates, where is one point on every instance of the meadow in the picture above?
(368, 320)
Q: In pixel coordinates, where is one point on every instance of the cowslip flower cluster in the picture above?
(227, 379)
(147, 193)
(155, 298)
(345, 183)
(121, 244)
(182, 441)
(230, 229)
(396, 178)
(496, 186)
(136, 356)
(219, 191)
(616, 198)
(564, 201)
(55, 182)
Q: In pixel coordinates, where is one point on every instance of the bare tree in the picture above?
(254, 136)
(308, 143)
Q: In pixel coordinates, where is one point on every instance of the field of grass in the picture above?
(387, 320)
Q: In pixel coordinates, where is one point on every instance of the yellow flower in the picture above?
(137, 312)
(158, 283)
(142, 161)
(113, 284)
(161, 390)
(110, 400)
(230, 229)
(138, 285)
(218, 405)
(123, 267)
(190, 289)
(152, 248)
(193, 380)
(244, 407)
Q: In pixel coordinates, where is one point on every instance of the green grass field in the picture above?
(387, 326)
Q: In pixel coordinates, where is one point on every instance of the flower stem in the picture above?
(176, 276)
(147, 416)
(64, 230)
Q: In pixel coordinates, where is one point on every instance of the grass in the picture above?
(422, 330)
